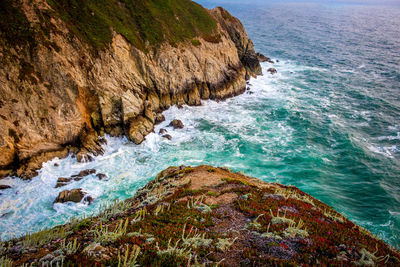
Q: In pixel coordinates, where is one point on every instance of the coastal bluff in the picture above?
(206, 216)
(72, 71)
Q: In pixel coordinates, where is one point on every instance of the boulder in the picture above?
(74, 195)
(102, 176)
(167, 136)
(162, 131)
(63, 182)
(272, 70)
(177, 124)
(85, 173)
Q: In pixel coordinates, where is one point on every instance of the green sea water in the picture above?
(327, 122)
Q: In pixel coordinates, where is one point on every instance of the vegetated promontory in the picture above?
(73, 70)
(206, 216)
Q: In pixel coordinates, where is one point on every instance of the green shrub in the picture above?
(196, 42)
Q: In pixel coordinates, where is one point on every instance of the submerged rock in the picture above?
(272, 71)
(177, 124)
(169, 137)
(3, 187)
(102, 176)
(74, 195)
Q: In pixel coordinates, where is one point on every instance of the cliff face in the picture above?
(61, 88)
(206, 216)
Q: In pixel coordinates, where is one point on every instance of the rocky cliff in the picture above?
(206, 216)
(73, 70)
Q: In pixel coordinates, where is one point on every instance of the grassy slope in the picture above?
(139, 21)
(203, 216)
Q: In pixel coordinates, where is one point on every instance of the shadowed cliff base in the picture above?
(204, 216)
(65, 84)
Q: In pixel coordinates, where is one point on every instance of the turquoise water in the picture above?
(328, 122)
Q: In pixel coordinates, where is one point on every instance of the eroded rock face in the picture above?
(167, 136)
(68, 95)
(74, 195)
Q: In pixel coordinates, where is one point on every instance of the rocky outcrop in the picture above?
(263, 58)
(58, 94)
(208, 216)
(177, 124)
(74, 195)
(77, 177)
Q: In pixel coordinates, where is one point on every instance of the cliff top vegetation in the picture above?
(206, 216)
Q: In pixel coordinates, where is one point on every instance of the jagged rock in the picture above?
(29, 170)
(3, 187)
(162, 131)
(74, 195)
(85, 173)
(159, 118)
(263, 58)
(77, 177)
(91, 144)
(77, 93)
(244, 45)
(169, 137)
(139, 128)
(63, 182)
(101, 176)
(272, 71)
(177, 124)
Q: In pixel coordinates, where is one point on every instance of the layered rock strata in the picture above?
(58, 94)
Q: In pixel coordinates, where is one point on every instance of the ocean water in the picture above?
(328, 122)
